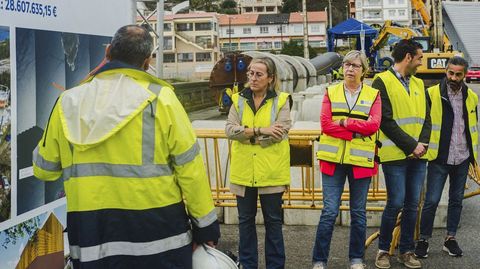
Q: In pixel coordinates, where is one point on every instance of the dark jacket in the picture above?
(447, 123)
(391, 129)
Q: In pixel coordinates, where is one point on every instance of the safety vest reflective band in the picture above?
(408, 111)
(358, 151)
(94, 253)
(253, 165)
(133, 182)
(436, 111)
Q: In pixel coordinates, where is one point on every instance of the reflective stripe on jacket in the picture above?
(436, 113)
(254, 165)
(125, 149)
(409, 111)
(358, 151)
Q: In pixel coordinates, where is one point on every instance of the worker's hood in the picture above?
(98, 109)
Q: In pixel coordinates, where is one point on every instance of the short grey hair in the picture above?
(457, 60)
(356, 54)
(131, 44)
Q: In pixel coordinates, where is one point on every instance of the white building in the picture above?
(259, 6)
(378, 11)
(267, 31)
(190, 44)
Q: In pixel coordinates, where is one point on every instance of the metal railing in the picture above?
(308, 195)
(302, 144)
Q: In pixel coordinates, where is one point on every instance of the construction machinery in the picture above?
(436, 46)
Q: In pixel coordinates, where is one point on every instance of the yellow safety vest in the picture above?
(436, 111)
(358, 151)
(128, 156)
(253, 165)
(409, 111)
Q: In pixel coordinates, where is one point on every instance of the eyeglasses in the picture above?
(354, 66)
(258, 75)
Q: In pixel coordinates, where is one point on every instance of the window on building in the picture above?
(204, 41)
(247, 46)
(263, 29)
(314, 28)
(391, 2)
(358, 3)
(264, 45)
(247, 30)
(401, 12)
(280, 29)
(391, 13)
(401, 2)
(203, 57)
(185, 57)
(167, 43)
(248, 9)
(230, 31)
(167, 27)
(298, 28)
(314, 44)
(374, 14)
(169, 57)
(277, 44)
(203, 26)
(270, 9)
(184, 26)
(259, 9)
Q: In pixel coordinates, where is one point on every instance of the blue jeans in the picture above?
(436, 177)
(272, 213)
(332, 192)
(404, 185)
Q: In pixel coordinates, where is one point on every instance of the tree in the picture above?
(5, 49)
(204, 5)
(292, 48)
(228, 7)
(290, 6)
(27, 228)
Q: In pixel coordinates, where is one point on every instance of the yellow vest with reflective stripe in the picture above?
(253, 165)
(144, 166)
(408, 112)
(358, 151)
(436, 111)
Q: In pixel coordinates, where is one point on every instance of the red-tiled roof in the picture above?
(240, 19)
(313, 16)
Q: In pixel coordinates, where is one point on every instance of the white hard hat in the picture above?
(206, 257)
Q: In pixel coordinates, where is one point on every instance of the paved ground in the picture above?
(299, 243)
(299, 239)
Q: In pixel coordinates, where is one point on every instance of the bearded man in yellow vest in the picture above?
(452, 148)
(128, 156)
(404, 136)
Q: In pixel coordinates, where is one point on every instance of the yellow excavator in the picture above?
(436, 45)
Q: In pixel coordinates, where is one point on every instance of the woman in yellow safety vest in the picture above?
(351, 115)
(258, 124)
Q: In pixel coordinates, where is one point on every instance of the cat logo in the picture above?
(437, 63)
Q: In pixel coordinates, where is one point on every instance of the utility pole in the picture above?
(330, 12)
(229, 33)
(306, 54)
(160, 13)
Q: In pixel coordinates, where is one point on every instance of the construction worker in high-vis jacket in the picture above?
(126, 151)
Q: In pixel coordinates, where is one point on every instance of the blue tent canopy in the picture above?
(351, 28)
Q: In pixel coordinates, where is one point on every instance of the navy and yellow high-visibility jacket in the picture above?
(125, 149)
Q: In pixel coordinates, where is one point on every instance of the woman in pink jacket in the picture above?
(350, 119)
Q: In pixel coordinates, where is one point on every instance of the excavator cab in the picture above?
(425, 41)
